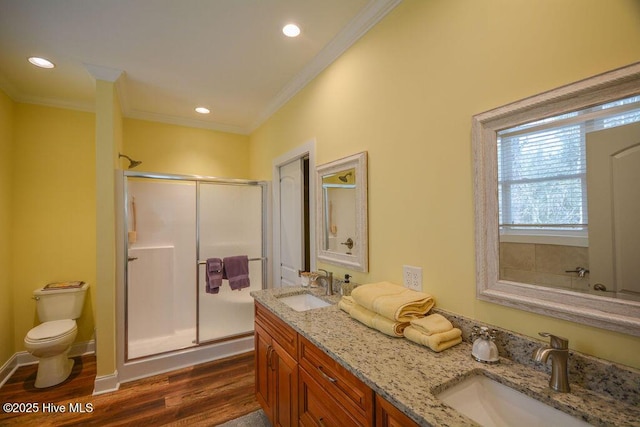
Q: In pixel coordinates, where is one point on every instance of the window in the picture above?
(542, 169)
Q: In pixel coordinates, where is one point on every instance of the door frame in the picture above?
(308, 149)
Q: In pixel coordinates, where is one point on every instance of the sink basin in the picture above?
(490, 403)
(304, 302)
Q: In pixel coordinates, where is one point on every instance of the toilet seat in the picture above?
(53, 330)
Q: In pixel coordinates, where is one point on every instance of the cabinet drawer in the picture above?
(286, 337)
(318, 409)
(355, 395)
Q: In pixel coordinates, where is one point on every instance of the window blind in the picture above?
(542, 167)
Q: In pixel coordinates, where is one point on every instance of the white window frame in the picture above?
(556, 234)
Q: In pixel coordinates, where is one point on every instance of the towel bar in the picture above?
(250, 259)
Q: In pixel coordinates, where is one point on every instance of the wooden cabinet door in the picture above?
(276, 380)
(388, 415)
(264, 350)
(285, 379)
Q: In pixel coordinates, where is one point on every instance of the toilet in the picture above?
(51, 340)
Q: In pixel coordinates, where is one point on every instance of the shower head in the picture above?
(132, 163)
(344, 178)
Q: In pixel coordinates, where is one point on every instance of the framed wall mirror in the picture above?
(341, 226)
(557, 201)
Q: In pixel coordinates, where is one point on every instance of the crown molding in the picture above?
(182, 121)
(359, 26)
(87, 107)
(9, 89)
(99, 72)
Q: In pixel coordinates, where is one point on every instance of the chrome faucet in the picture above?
(559, 353)
(328, 279)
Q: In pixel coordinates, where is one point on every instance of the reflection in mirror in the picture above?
(342, 212)
(555, 195)
(557, 201)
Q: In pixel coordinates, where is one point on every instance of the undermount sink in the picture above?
(304, 302)
(490, 403)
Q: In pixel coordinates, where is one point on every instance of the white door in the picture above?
(613, 182)
(291, 222)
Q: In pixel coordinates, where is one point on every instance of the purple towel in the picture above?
(214, 275)
(236, 269)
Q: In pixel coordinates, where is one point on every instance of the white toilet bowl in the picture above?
(50, 342)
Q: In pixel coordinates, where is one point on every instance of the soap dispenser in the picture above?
(484, 348)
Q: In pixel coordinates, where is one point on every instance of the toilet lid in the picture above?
(51, 329)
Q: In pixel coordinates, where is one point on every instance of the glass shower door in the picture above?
(160, 301)
(229, 224)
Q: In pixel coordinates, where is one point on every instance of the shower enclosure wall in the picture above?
(172, 224)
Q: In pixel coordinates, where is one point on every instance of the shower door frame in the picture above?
(122, 318)
(199, 261)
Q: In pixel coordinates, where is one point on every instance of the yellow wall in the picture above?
(53, 208)
(52, 200)
(406, 93)
(182, 150)
(6, 289)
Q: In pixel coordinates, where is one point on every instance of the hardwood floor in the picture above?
(203, 395)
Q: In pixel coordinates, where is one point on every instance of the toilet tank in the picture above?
(59, 304)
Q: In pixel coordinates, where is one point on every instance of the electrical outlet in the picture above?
(412, 277)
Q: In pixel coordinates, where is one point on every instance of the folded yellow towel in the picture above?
(393, 301)
(432, 324)
(378, 322)
(371, 319)
(346, 303)
(436, 342)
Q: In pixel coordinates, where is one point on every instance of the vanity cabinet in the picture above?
(297, 384)
(276, 368)
(388, 415)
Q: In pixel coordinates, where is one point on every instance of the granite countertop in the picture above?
(408, 375)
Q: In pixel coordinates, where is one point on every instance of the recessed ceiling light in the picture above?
(291, 30)
(202, 110)
(41, 62)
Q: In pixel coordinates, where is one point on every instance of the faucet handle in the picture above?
(556, 342)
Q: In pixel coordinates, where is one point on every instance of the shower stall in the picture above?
(171, 225)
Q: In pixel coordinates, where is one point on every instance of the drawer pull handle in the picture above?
(321, 422)
(333, 380)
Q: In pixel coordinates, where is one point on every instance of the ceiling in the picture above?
(174, 55)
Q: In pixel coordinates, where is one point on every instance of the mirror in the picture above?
(576, 298)
(341, 226)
